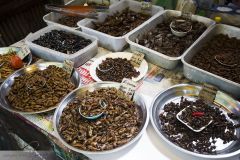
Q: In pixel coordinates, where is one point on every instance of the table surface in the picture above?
(150, 145)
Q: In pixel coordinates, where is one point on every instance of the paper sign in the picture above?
(24, 51)
(128, 87)
(186, 15)
(146, 5)
(137, 59)
(24, 48)
(208, 93)
(68, 66)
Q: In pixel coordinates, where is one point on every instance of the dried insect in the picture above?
(70, 21)
(116, 69)
(62, 41)
(162, 40)
(121, 122)
(39, 90)
(198, 142)
(220, 56)
(120, 24)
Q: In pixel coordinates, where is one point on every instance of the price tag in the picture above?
(68, 66)
(146, 5)
(186, 15)
(24, 51)
(208, 93)
(137, 59)
(128, 87)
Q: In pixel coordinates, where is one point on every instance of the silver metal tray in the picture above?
(6, 85)
(27, 60)
(154, 56)
(201, 76)
(190, 92)
(91, 87)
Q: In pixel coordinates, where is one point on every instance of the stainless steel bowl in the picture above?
(191, 92)
(91, 87)
(27, 60)
(7, 84)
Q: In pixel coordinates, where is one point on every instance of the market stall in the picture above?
(134, 82)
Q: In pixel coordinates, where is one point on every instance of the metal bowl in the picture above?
(7, 84)
(91, 87)
(27, 60)
(177, 33)
(191, 92)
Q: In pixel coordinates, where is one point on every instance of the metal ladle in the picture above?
(216, 57)
(105, 70)
(103, 103)
(2, 64)
(177, 33)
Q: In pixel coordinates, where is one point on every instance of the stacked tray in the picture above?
(152, 55)
(111, 42)
(52, 18)
(201, 76)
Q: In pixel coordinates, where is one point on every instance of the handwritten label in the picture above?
(146, 5)
(128, 87)
(208, 93)
(24, 51)
(186, 15)
(137, 59)
(68, 66)
(24, 48)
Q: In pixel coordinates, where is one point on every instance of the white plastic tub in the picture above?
(110, 42)
(79, 58)
(153, 56)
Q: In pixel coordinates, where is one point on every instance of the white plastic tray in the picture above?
(199, 75)
(154, 56)
(110, 42)
(79, 58)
